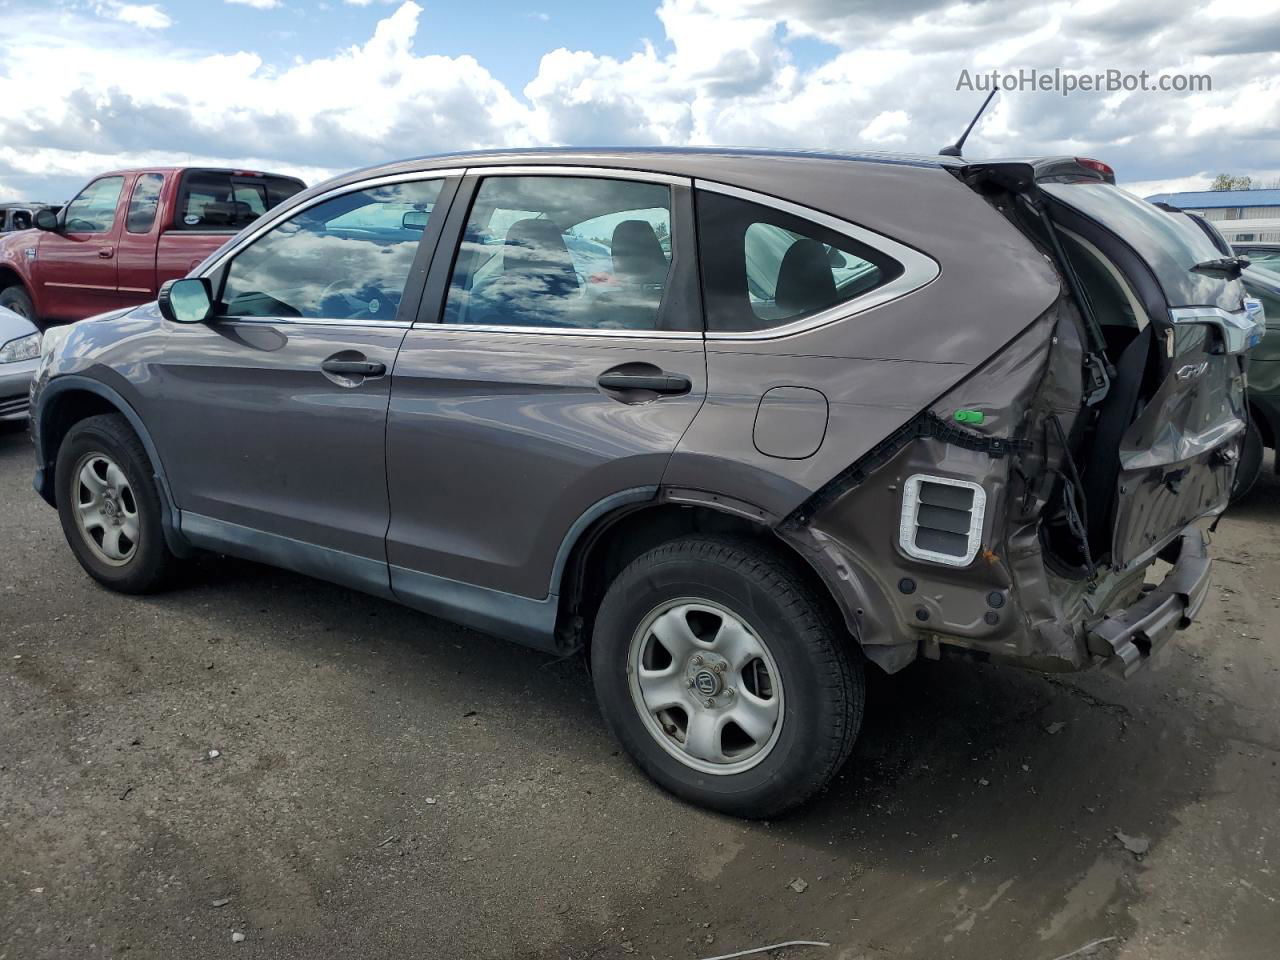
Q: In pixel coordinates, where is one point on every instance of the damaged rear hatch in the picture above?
(1177, 323)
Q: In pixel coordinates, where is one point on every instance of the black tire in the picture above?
(16, 299)
(823, 683)
(150, 563)
(1250, 466)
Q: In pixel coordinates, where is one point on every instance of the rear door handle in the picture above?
(354, 368)
(657, 382)
(106, 253)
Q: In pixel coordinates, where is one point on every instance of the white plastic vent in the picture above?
(942, 519)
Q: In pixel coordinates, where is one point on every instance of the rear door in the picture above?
(1175, 414)
(557, 361)
(77, 266)
(136, 251)
(272, 415)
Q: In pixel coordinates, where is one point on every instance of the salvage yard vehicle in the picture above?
(19, 357)
(21, 216)
(125, 234)
(856, 410)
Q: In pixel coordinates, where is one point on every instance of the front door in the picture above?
(77, 271)
(272, 415)
(559, 362)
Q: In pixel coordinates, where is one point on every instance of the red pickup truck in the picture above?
(125, 234)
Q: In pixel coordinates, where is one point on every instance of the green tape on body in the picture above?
(969, 416)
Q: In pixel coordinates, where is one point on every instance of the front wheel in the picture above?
(110, 507)
(725, 675)
(17, 300)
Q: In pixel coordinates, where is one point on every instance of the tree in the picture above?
(1225, 181)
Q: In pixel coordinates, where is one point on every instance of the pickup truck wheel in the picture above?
(726, 676)
(109, 506)
(16, 299)
(1250, 465)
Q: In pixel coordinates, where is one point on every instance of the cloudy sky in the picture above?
(314, 87)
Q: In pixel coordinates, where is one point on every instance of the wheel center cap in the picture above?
(706, 683)
(109, 507)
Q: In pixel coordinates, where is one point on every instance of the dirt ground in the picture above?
(388, 785)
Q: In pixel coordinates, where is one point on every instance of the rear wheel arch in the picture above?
(610, 544)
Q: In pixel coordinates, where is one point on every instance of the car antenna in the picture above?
(955, 148)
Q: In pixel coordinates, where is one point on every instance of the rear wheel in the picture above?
(16, 299)
(726, 676)
(1250, 465)
(109, 506)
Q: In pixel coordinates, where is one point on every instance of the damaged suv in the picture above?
(733, 423)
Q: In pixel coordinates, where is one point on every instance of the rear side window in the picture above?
(221, 200)
(144, 202)
(563, 252)
(94, 210)
(763, 268)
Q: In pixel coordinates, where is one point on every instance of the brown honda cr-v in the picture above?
(738, 425)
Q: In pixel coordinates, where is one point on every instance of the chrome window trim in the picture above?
(918, 269)
(595, 173)
(316, 321)
(560, 331)
(1241, 331)
(258, 228)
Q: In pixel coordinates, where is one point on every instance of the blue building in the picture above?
(1225, 204)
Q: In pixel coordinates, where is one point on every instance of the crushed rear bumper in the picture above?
(1128, 637)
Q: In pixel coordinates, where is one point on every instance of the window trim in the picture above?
(479, 173)
(918, 269)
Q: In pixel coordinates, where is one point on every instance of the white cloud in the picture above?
(81, 98)
(149, 16)
(258, 4)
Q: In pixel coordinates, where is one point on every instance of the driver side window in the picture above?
(94, 210)
(344, 259)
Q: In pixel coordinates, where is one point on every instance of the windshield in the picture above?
(1171, 246)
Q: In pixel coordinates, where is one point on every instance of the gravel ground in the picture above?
(388, 785)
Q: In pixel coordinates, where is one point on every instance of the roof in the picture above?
(546, 153)
(1211, 199)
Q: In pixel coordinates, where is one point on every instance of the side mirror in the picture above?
(415, 220)
(46, 220)
(185, 300)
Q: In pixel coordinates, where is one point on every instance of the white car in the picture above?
(19, 357)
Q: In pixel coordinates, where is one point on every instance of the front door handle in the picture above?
(106, 253)
(354, 368)
(657, 382)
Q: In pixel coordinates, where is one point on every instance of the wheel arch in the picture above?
(66, 401)
(9, 277)
(604, 547)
